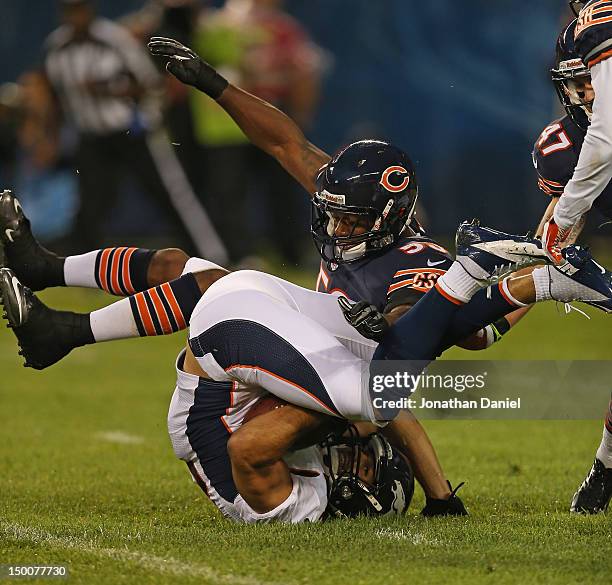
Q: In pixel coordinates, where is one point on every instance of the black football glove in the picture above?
(187, 66)
(366, 318)
(453, 506)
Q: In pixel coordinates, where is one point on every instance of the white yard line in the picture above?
(415, 538)
(148, 561)
(120, 437)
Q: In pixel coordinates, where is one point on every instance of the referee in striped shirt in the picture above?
(105, 84)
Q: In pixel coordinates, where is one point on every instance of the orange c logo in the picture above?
(384, 180)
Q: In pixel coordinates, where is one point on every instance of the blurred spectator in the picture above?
(174, 19)
(261, 48)
(45, 182)
(9, 100)
(105, 84)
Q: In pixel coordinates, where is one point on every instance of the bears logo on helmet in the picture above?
(370, 185)
(385, 179)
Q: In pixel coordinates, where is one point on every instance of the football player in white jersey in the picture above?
(251, 332)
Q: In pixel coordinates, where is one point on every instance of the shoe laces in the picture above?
(454, 491)
(568, 308)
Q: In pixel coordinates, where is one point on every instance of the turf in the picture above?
(88, 479)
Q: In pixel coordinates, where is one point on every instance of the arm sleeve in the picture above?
(594, 169)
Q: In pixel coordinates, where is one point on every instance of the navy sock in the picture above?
(418, 334)
(166, 308)
(123, 271)
(485, 307)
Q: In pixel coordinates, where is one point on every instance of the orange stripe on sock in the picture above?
(176, 309)
(161, 312)
(103, 266)
(145, 316)
(505, 295)
(114, 283)
(127, 281)
(447, 296)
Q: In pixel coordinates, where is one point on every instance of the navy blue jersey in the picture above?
(555, 155)
(400, 275)
(593, 34)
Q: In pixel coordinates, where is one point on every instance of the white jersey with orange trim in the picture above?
(260, 331)
(203, 415)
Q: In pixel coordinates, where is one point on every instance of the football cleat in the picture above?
(593, 280)
(34, 265)
(593, 496)
(44, 335)
(488, 255)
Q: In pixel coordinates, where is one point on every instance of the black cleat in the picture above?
(35, 266)
(44, 335)
(452, 506)
(593, 496)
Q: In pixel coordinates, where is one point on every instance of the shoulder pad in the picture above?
(593, 35)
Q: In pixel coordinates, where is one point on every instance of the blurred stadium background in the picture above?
(87, 476)
(463, 87)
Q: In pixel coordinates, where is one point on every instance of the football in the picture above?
(263, 405)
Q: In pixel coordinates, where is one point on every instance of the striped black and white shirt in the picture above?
(109, 55)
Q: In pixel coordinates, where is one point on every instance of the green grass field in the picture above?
(88, 479)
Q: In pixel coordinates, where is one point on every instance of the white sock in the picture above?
(80, 270)
(116, 321)
(509, 296)
(604, 452)
(457, 283)
(551, 284)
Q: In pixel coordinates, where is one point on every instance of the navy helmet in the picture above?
(568, 75)
(391, 487)
(373, 181)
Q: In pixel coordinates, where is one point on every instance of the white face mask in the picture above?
(573, 91)
(348, 253)
(353, 252)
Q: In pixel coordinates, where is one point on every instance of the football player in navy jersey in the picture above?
(558, 147)
(591, 34)
(582, 51)
(363, 200)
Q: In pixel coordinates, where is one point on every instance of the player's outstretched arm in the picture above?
(275, 133)
(264, 125)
